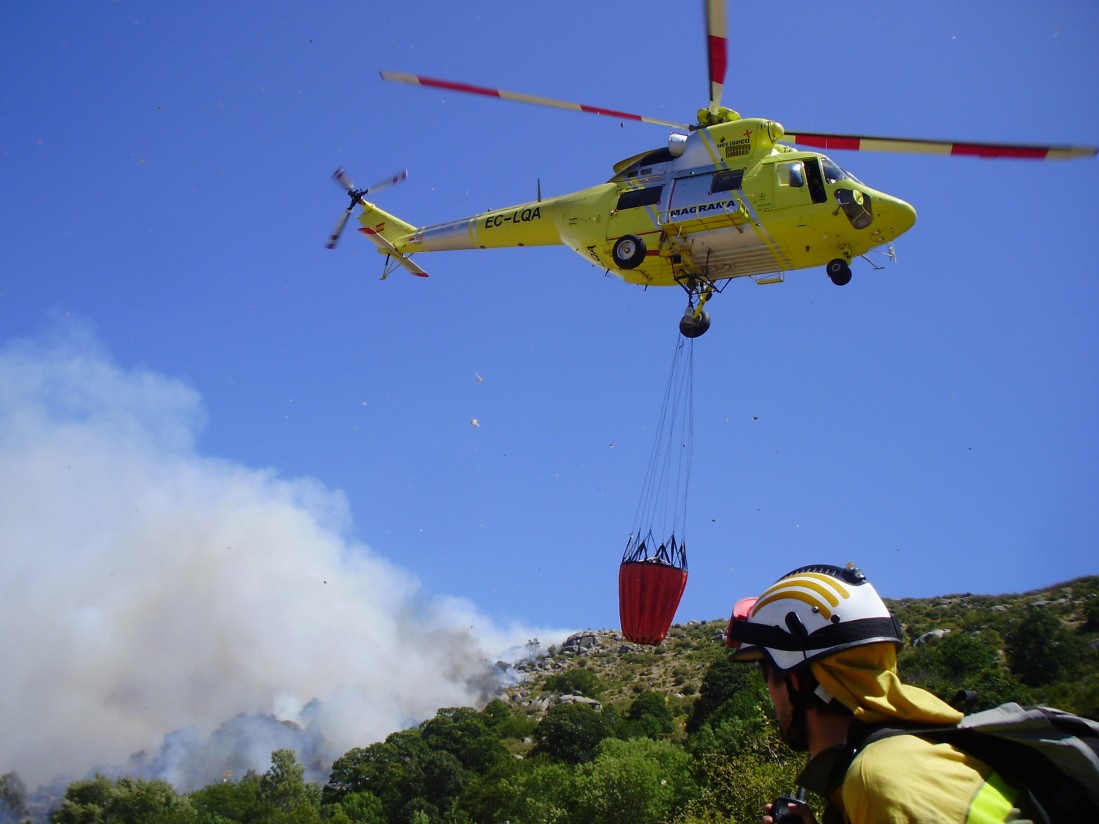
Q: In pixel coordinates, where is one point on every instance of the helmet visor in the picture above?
(742, 611)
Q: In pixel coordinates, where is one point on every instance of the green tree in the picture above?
(463, 733)
(537, 791)
(639, 781)
(735, 788)
(419, 811)
(1037, 647)
(733, 711)
(570, 732)
(392, 770)
(649, 716)
(84, 802)
(444, 779)
(484, 794)
(358, 808)
(613, 722)
(504, 722)
(13, 797)
(1091, 615)
(576, 680)
(284, 791)
(726, 688)
(128, 801)
(962, 660)
(226, 801)
(496, 714)
(964, 656)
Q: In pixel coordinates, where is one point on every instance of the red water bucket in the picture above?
(648, 596)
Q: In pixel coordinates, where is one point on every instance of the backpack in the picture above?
(1050, 756)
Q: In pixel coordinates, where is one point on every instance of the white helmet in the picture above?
(807, 614)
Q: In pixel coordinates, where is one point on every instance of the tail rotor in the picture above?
(356, 195)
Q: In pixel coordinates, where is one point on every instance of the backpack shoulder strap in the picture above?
(825, 771)
(1050, 756)
(983, 747)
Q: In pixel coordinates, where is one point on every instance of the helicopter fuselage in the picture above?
(724, 201)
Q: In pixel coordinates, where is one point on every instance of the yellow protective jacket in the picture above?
(905, 778)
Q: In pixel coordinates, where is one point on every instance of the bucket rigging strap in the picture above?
(662, 508)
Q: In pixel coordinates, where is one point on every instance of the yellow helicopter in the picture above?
(728, 197)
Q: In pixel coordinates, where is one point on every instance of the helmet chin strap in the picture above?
(796, 734)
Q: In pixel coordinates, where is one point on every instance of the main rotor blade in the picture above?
(717, 49)
(448, 85)
(858, 143)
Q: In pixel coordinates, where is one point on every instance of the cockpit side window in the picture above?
(832, 172)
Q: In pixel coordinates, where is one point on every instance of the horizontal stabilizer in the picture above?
(387, 247)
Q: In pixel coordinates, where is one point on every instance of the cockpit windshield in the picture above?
(833, 173)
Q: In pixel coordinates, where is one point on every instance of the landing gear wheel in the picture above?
(838, 271)
(628, 252)
(689, 327)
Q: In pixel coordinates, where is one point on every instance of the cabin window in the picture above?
(634, 198)
(791, 173)
(727, 181)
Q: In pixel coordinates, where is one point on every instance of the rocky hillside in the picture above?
(679, 736)
(621, 669)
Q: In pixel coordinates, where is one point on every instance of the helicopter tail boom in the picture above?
(528, 224)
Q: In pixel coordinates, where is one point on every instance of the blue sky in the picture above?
(166, 203)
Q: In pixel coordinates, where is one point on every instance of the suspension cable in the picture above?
(661, 513)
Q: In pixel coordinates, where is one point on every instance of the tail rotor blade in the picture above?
(344, 182)
(356, 195)
(340, 176)
(397, 178)
(717, 49)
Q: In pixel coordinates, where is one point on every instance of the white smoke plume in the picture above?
(146, 589)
